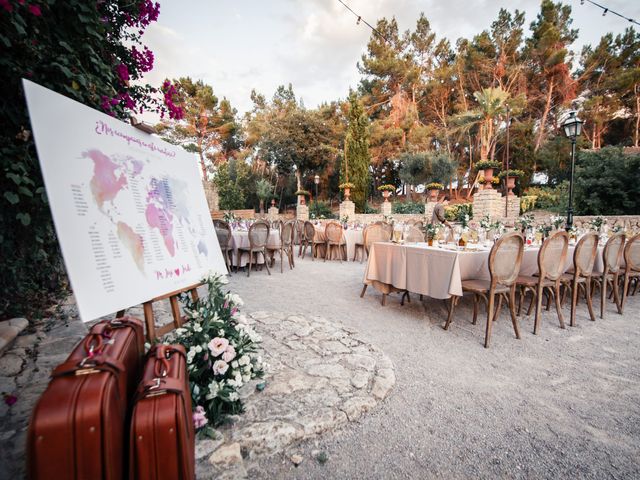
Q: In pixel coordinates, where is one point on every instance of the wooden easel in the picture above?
(152, 332)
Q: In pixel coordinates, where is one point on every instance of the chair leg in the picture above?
(603, 294)
(588, 295)
(266, 264)
(512, 311)
(487, 336)
(536, 322)
(548, 299)
(497, 312)
(364, 289)
(616, 293)
(475, 309)
(533, 298)
(384, 299)
(558, 307)
(452, 305)
(281, 261)
(574, 301)
(250, 263)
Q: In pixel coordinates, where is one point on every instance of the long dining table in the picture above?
(240, 239)
(438, 271)
(350, 236)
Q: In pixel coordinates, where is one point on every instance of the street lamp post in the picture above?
(572, 128)
(316, 180)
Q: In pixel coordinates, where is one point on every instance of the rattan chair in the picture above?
(299, 235)
(258, 237)
(414, 235)
(387, 227)
(223, 232)
(505, 259)
(611, 256)
(419, 225)
(334, 240)
(632, 267)
(375, 233)
(551, 260)
(584, 257)
(359, 247)
(286, 245)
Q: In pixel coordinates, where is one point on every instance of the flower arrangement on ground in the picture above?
(221, 353)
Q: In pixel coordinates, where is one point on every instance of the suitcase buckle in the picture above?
(156, 386)
(86, 371)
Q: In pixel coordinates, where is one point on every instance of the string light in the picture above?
(360, 19)
(606, 10)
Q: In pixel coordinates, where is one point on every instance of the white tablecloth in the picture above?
(438, 272)
(240, 239)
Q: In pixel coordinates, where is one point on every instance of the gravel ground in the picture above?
(562, 404)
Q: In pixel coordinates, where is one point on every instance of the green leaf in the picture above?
(16, 178)
(25, 218)
(11, 197)
(25, 191)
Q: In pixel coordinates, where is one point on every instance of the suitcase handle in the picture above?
(159, 386)
(96, 364)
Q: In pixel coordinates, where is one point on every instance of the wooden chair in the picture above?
(359, 247)
(299, 235)
(505, 259)
(375, 233)
(611, 256)
(584, 257)
(387, 227)
(334, 239)
(223, 232)
(258, 237)
(632, 267)
(419, 225)
(551, 261)
(414, 235)
(286, 245)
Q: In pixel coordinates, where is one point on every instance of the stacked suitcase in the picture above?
(83, 424)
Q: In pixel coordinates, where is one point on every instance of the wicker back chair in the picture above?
(419, 225)
(258, 237)
(504, 261)
(375, 233)
(631, 268)
(611, 256)
(387, 227)
(286, 244)
(584, 257)
(334, 239)
(359, 247)
(551, 263)
(414, 235)
(223, 232)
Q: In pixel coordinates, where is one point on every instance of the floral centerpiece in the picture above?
(430, 232)
(544, 229)
(557, 221)
(229, 217)
(598, 223)
(386, 190)
(221, 353)
(485, 222)
(525, 222)
(488, 167)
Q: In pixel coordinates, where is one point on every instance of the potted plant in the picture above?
(430, 232)
(386, 191)
(511, 176)
(489, 167)
(346, 187)
(433, 188)
(301, 196)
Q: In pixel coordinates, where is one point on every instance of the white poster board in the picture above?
(129, 209)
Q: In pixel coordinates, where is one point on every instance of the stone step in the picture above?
(9, 330)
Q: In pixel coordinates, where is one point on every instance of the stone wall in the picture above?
(211, 194)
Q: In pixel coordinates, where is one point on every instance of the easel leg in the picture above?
(148, 318)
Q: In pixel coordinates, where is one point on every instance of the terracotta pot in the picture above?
(301, 200)
(511, 184)
(386, 194)
(488, 178)
(347, 194)
(433, 194)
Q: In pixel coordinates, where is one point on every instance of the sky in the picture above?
(239, 45)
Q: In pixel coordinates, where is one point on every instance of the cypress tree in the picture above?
(356, 149)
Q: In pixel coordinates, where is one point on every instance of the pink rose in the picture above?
(199, 418)
(229, 354)
(220, 367)
(218, 345)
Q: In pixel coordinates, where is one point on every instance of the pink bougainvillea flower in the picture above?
(6, 5)
(10, 399)
(34, 10)
(218, 345)
(123, 72)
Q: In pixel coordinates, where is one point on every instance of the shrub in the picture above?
(554, 199)
(368, 208)
(527, 202)
(457, 211)
(407, 207)
(323, 209)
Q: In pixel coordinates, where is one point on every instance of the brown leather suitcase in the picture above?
(78, 427)
(162, 433)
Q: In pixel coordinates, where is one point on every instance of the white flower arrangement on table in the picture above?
(221, 353)
(557, 221)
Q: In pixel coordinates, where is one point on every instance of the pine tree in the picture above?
(357, 153)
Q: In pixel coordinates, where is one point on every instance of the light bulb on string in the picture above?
(605, 12)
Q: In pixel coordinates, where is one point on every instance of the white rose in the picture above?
(234, 364)
(198, 349)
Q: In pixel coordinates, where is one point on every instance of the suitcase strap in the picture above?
(160, 386)
(97, 363)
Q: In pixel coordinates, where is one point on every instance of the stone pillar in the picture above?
(348, 209)
(385, 208)
(273, 213)
(211, 194)
(302, 212)
(428, 210)
(488, 202)
(513, 207)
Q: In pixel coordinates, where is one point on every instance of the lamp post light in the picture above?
(572, 128)
(316, 180)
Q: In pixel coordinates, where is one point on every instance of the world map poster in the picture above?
(129, 209)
